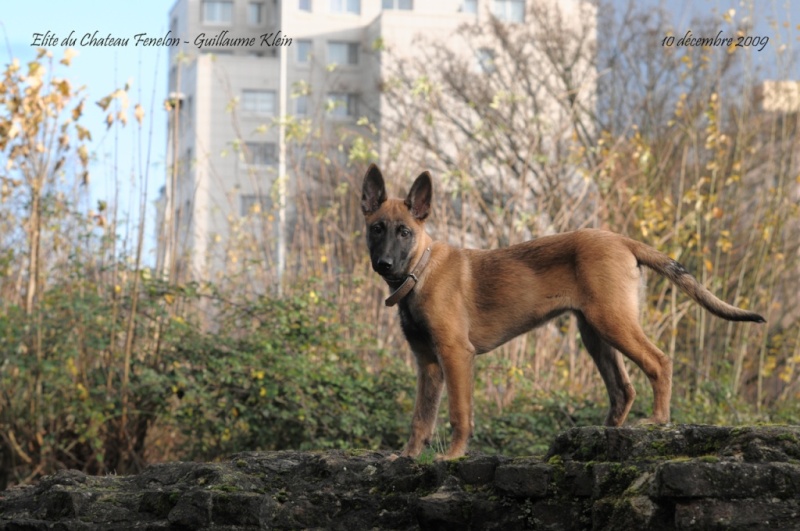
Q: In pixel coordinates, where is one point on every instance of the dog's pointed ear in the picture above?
(419, 197)
(373, 191)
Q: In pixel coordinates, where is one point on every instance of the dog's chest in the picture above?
(415, 328)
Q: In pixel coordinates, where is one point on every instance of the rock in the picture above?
(727, 515)
(729, 480)
(683, 477)
(524, 478)
(479, 470)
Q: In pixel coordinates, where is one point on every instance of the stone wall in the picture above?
(686, 477)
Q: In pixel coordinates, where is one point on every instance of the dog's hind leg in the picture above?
(625, 334)
(612, 369)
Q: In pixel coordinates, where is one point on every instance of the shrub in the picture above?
(296, 381)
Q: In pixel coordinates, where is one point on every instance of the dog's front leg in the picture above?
(429, 393)
(458, 363)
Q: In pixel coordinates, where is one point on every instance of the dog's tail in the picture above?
(677, 274)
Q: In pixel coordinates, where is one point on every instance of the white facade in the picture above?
(247, 62)
(779, 96)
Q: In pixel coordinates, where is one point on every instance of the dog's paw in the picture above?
(650, 421)
(448, 456)
(392, 457)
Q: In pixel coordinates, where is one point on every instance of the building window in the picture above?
(509, 10)
(217, 12)
(304, 5)
(258, 101)
(260, 153)
(301, 105)
(343, 53)
(303, 52)
(253, 204)
(485, 61)
(405, 5)
(470, 6)
(346, 6)
(342, 105)
(186, 109)
(255, 13)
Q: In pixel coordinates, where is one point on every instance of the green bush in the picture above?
(531, 422)
(297, 381)
(63, 408)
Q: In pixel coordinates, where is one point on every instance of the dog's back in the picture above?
(569, 271)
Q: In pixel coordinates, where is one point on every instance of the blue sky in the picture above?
(779, 20)
(103, 69)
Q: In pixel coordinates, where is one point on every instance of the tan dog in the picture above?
(457, 303)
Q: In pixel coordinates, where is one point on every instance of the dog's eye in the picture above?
(404, 232)
(376, 229)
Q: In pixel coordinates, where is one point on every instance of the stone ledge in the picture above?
(684, 477)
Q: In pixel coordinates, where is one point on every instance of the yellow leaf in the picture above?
(63, 87)
(169, 298)
(709, 265)
(71, 368)
(83, 154)
(69, 53)
(138, 113)
(13, 131)
(83, 133)
(83, 394)
(34, 69)
(728, 15)
(104, 103)
(77, 111)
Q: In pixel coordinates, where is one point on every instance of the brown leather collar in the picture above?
(410, 281)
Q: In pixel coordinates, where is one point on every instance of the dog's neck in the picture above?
(411, 280)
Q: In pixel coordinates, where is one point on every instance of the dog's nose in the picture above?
(384, 265)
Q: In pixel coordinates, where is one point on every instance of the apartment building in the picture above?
(243, 64)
